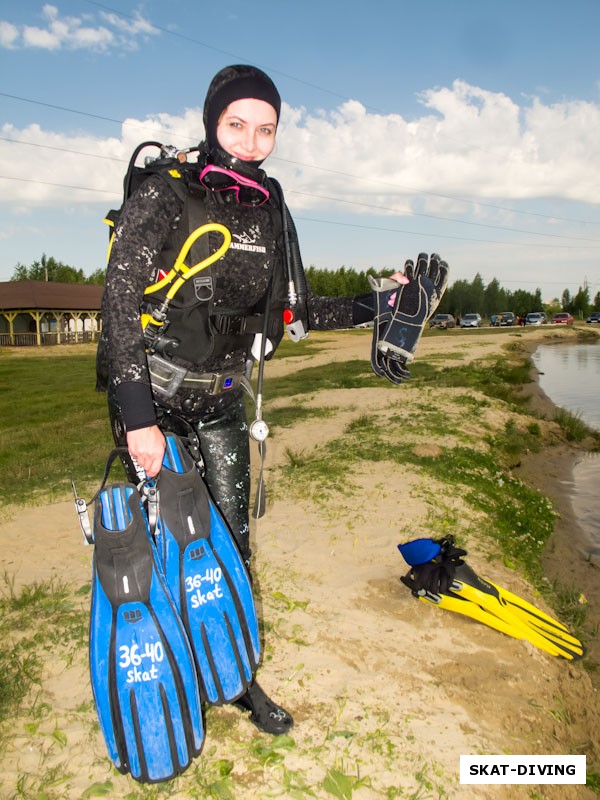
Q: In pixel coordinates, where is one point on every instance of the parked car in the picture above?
(536, 318)
(594, 317)
(442, 321)
(562, 319)
(471, 321)
(505, 318)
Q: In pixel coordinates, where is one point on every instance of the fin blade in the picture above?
(522, 607)
(141, 665)
(207, 578)
(538, 637)
(461, 605)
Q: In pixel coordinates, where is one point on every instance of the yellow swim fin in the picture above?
(440, 576)
(459, 604)
(517, 612)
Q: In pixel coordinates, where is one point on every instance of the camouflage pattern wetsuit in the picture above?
(241, 277)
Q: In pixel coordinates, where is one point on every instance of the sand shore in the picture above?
(385, 691)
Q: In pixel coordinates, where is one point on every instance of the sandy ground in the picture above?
(381, 686)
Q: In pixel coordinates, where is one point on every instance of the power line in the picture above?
(154, 131)
(320, 88)
(437, 217)
(273, 70)
(60, 185)
(330, 171)
(440, 235)
(187, 38)
(413, 190)
(345, 224)
(321, 197)
(65, 150)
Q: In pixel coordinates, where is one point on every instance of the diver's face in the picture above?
(246, 129)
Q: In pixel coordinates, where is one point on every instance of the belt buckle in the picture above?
(223, 382)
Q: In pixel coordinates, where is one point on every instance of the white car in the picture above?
(471, 321)
(535, 318)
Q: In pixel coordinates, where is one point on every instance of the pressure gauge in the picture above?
(259, 430)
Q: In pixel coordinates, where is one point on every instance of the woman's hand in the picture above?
(147, 447)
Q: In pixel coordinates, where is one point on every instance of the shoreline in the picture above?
(562, 558)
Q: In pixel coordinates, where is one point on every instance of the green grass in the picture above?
(573, 426)
(53, 425)
(36, 620)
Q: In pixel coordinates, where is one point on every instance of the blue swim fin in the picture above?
(141, 665)
(207, 578)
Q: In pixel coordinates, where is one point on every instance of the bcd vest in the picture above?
(195, 328)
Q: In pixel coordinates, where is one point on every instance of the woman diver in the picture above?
(194, 373)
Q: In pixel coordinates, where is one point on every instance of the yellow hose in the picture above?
(189, 272)
(186, 272)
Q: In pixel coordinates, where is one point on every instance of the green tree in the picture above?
(98, 277)
(49, 269)
(477, 295)
(522, 303)
(495, 298)
(580, 304)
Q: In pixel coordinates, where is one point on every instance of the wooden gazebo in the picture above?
(44, 312)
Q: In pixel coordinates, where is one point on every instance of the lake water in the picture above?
(570, 376)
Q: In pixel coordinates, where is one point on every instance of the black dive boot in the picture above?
(264, 713)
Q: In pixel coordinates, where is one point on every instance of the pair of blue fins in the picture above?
(173, 622)
(464, 592)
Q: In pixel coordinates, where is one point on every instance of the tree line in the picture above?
(461, 297)
(49, 269)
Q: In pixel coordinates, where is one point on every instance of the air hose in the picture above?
(152, 324)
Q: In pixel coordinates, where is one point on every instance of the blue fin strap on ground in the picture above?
(141, 664)
(419, 551)
(207, 579)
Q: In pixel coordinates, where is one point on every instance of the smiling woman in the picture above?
(204, 275)
(247, 128)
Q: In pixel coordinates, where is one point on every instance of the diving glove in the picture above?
(437, 574)
(401, 313)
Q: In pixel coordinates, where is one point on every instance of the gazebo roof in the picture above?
(47, 295)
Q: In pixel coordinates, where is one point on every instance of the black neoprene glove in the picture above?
(401, 313)
(436, 576)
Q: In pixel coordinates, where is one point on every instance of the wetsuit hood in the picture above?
(236, 82)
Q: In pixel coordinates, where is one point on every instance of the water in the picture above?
(570, 376)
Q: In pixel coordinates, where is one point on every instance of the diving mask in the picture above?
(247, 191)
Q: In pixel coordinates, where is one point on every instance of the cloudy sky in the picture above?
(468, 128)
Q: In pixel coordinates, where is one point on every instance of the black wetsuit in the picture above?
(241, 279)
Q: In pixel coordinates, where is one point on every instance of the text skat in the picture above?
(132, 657)
(541, 770)
(193, 587)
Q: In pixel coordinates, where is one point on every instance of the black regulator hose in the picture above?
(297, 286)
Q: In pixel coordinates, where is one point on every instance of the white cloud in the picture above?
(469, 143)
(138, 25)
(76, 33)
(9, 34)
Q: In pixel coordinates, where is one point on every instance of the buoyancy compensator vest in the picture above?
(190, 329)
(198, 326)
